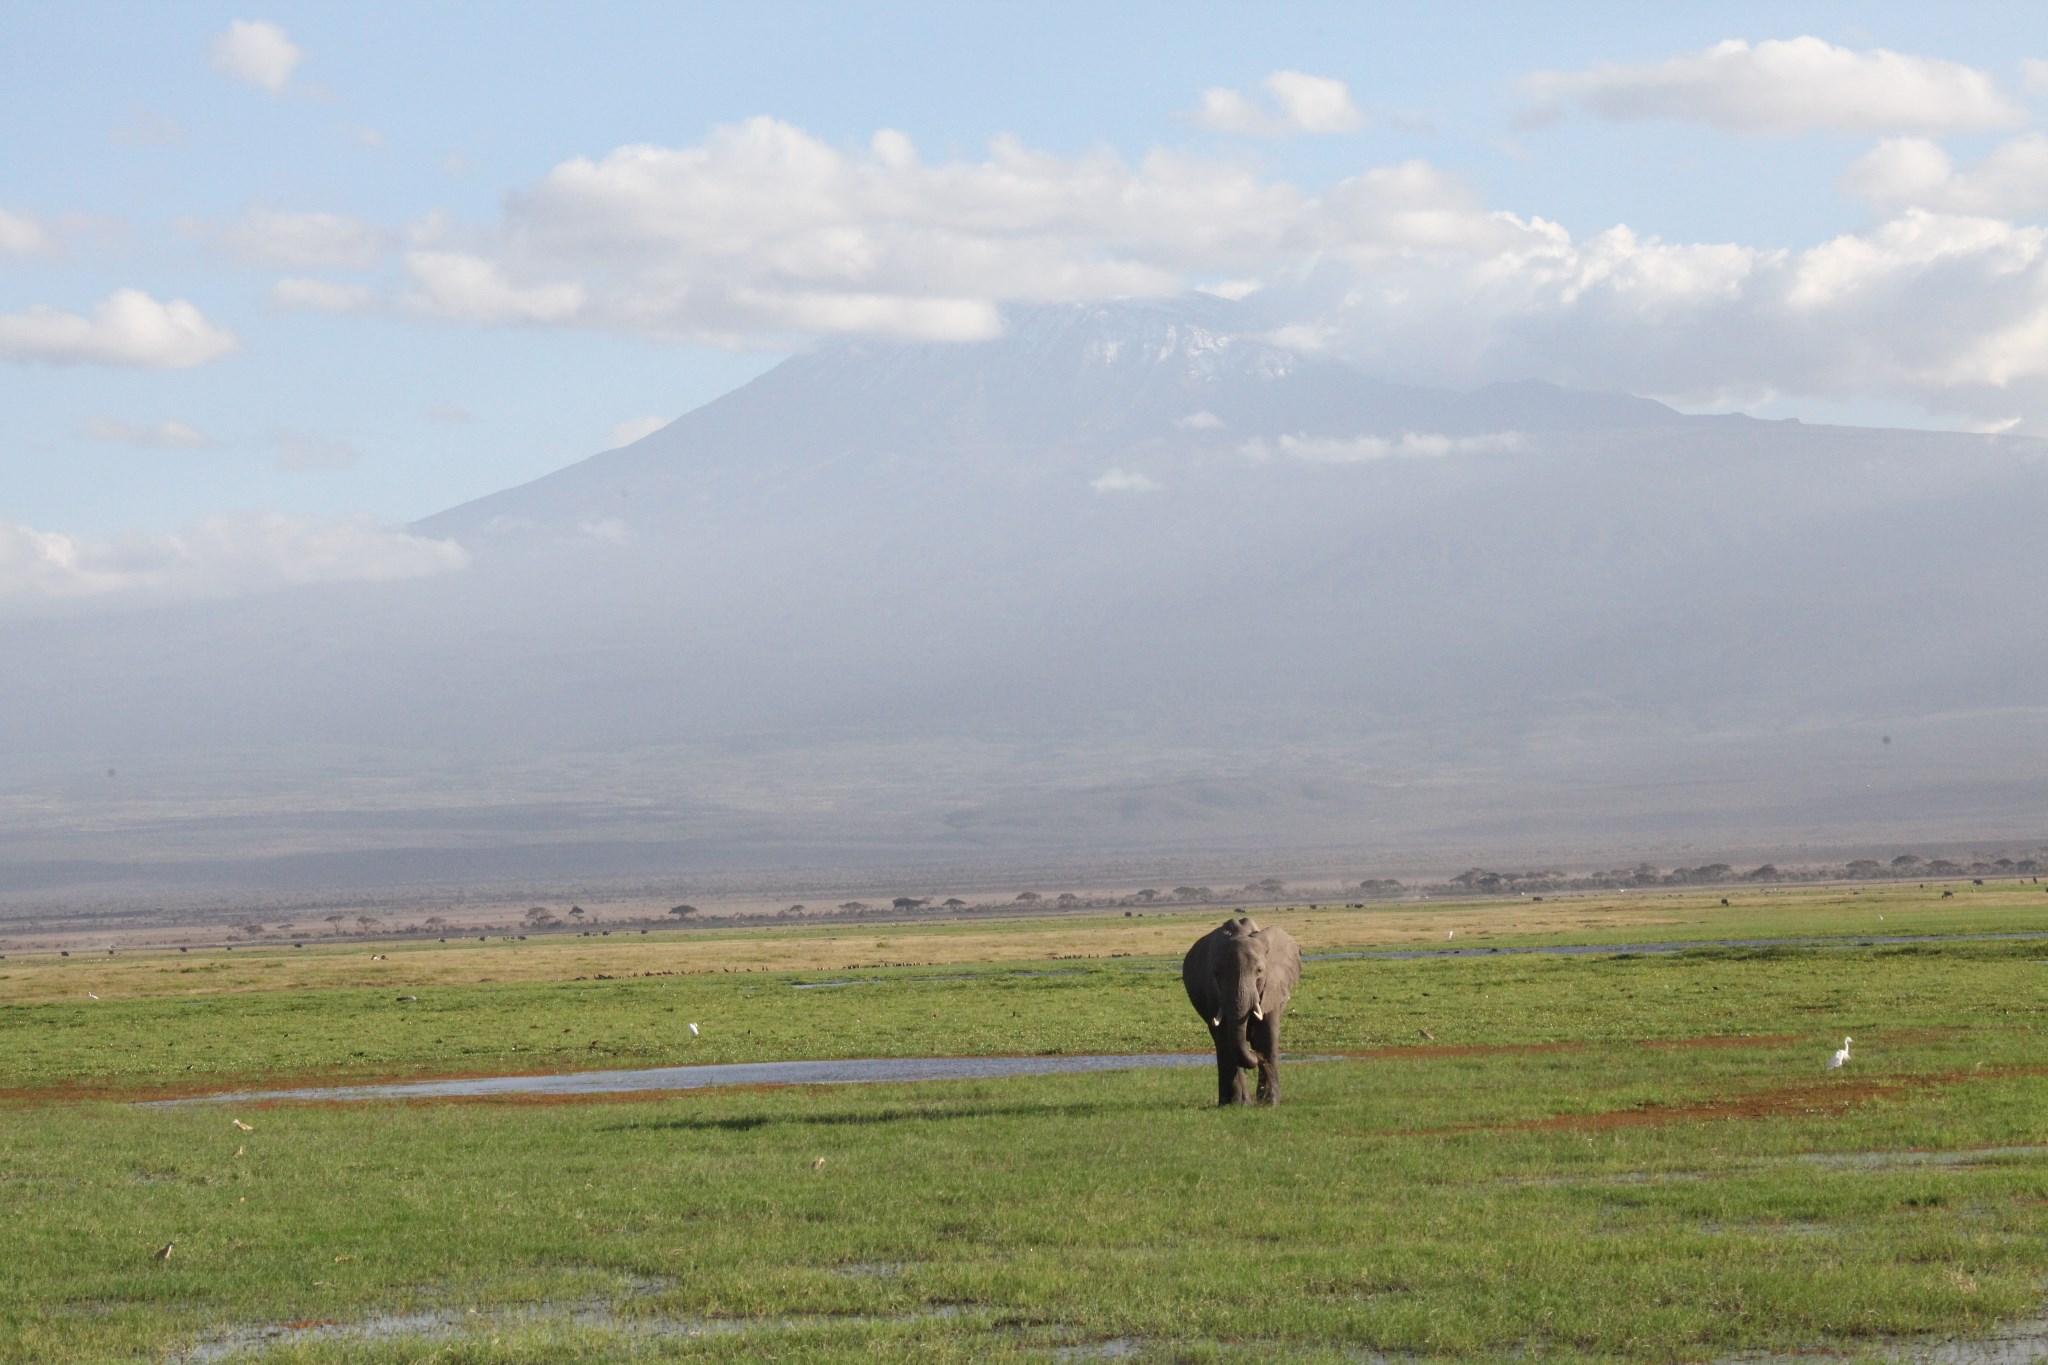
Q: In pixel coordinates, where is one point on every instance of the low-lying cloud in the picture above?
(1413, 445)
(217, 557)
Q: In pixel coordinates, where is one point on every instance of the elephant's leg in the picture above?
(1265, 1040)
(1229, 1071)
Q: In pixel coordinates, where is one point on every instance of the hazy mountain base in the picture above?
(871, 820)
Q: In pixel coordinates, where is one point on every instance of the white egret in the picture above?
(693, 1030)
(1841, 1057)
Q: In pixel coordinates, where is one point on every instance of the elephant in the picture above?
(1239, 977)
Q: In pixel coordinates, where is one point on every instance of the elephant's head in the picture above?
(1237, 974)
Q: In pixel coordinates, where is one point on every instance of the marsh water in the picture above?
(856, 1071)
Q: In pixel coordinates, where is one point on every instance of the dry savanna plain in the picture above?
(1608, 1155)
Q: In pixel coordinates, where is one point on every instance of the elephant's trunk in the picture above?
(1240, 1019)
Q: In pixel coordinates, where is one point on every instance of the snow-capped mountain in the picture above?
(1132, 578)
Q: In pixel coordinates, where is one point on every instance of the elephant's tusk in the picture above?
(1217, 1022)
(1258, 1013)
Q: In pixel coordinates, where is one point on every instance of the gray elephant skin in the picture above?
(1239, 978)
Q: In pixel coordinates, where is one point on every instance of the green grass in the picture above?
(1609, 1198)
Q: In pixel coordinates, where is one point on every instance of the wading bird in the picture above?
(1841, 1056)
(693, 1030)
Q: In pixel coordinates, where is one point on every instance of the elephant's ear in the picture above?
(1283, 967)
(1197, 973)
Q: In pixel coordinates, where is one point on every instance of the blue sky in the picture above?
(419, 269)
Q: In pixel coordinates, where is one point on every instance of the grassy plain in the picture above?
(1599, 1157)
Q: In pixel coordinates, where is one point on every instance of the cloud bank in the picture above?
(216, 557)
(762, 236)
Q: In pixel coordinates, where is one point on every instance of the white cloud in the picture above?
(303, 240)
(1785, 86)
(21, 235)
(166, 434)
(761, 235)
(1298, 103)
(1198, 421)
(321, 296)
(1230, 289)
(2034, 75)
(1123, 481)
(1411, 445)
(127, 328)
(216, 557)
(256, 52)
(298, 451)
(1911, 172)
(472, 289)
(625, 433)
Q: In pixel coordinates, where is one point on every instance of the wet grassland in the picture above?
(1614, 1156)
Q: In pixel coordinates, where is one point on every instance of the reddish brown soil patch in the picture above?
(1791, 1101)
(1810, 1099)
